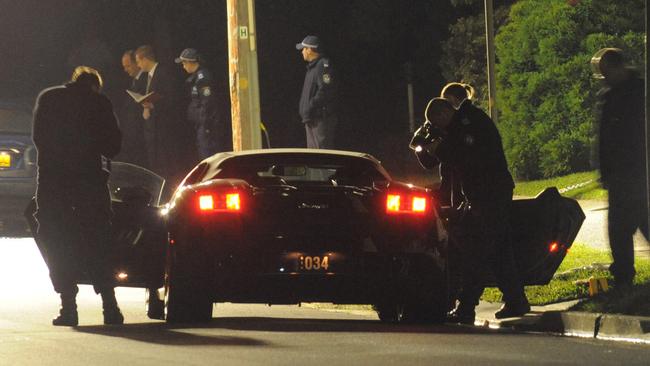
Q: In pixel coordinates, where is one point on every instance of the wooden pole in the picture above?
(489, 45)
(243, 75)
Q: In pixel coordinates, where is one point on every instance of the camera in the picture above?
(425, 135)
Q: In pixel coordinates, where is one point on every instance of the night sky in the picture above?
(368, 41)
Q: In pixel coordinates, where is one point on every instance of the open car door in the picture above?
(543, 230)
(138, 231)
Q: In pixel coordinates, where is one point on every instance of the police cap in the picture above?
(309, 42)
(188, 54)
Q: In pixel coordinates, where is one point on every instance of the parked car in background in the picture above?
(17, 166)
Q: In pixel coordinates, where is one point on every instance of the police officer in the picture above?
(203, 110)
(468, 142)
(622, 158)
(74, 126)
(317, 105)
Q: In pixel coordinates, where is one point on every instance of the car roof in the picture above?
(214, 163)
(220, 157)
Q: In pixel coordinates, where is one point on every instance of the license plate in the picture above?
(318, 263)
(5, 160)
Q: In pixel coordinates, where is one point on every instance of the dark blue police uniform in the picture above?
(202, 112)
(317, 105)
(471, 148)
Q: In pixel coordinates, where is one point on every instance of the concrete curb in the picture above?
(610, 327)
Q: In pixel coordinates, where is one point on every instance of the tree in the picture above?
(547, 97)
(464, 51)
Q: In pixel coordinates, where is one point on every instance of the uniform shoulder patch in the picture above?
(206, 91)
(469, 140)
(327, 78)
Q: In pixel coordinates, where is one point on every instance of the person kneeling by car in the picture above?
(469, 143)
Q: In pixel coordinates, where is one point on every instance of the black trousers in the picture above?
(74, 227)
(320, 132)
(486, 249)
(627, 212)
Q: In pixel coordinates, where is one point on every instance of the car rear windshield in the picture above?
(15, 122)
(339, 172)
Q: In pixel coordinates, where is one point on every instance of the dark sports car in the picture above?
(17, 166)
(284, 226)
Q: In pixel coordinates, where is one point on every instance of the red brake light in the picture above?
(393, 203)
(219, 202)
(206, 202)
(409, 204)
(419, 204)
(232, 202)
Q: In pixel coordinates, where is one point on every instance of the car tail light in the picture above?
(206, 202)
(224, 202)
(398, 203)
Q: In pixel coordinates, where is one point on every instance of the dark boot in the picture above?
(112, 313)
(513, 309)
(462, 315)
(68, 314)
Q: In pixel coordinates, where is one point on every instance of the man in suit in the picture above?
(131, 121)
(162, 126)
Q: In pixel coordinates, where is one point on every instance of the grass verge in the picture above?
(584, 185)
(569, 283)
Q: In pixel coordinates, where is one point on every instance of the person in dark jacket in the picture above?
(130, 115)
(469, 143)
(165, 134)
(74, 129)
(622, 156)
(206, 110)
(317, 105)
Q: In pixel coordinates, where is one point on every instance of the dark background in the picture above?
(368, 41)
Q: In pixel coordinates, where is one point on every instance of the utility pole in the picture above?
(408, 73)
(647, 121)
(489, 43)
(244, 82)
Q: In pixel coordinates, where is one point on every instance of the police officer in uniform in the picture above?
(317, 105)
(203, 110)
(469, 143)
(74, 127)
(622, 158)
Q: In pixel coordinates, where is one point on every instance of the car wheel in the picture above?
(187, 298)
(390, 311)
(155, 306)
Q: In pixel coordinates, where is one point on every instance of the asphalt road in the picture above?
(255, 334)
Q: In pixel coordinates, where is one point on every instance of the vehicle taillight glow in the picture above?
(393, 203)
(232, 202)
(409, 204)
(419, 204)
(206, 202)
(219, 202)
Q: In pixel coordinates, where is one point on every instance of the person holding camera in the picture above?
(468, 142)
(74, 129)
